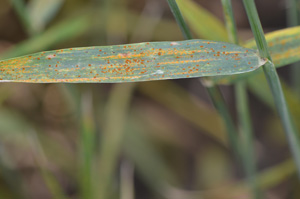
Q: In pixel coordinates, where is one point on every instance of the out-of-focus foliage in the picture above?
(150, 140)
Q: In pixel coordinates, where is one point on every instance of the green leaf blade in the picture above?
(132, 63)
(204, 24)
(284, 47)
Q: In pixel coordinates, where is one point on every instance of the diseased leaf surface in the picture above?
(132, 63)
(284, 47)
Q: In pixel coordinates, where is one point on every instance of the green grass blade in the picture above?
(63, 31)
(230, 21)
(23, 14)
(257, 29)
(294, 20)
(132, 63)
(259, 87)
(284, 47)
(41, 12)
(219, 103)
(112, 136)
(293, 12)
(203, 23)
(87, 145)
(246, 130)
(214, 92)
(247, 139)
(179, 18)
(274, 82)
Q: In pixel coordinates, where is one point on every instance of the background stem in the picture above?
(213, 91)
(274, 82)
(294, 20)
(246, 131)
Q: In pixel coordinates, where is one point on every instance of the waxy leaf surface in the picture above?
(284, 47)
(132, 63)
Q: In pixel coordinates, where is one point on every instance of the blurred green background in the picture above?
(148, 140)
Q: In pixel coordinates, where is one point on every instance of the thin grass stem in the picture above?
(112, 136)
(247, 141)
(230, 21)
(294, 20)
(180, 21)
(246, 131)
(220, 105)
(213, 91)
(88, 137)
(293, 12)
(274, 82)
